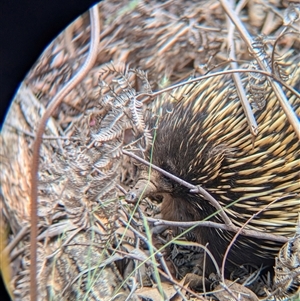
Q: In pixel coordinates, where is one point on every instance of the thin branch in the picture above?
(215, 203)
(229, 291)
(224, 72)
(233, 228)
(78, 77)
(9, 248)
(237, 80)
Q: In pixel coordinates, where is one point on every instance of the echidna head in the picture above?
(181, 149)
(154, 183)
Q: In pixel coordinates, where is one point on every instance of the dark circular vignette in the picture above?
(26, 28)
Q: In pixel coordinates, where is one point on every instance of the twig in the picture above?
(229, 291)
(215, 203)
(8, 249)
(233, 228)
(133, 289)
(65, 243)
(237, 80)
(17, 253)
(224, 72)
(88, 64)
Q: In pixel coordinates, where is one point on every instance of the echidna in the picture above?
(204, 139)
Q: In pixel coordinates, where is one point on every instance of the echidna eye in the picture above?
(167, 183)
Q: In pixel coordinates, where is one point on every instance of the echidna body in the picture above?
(203, 138)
